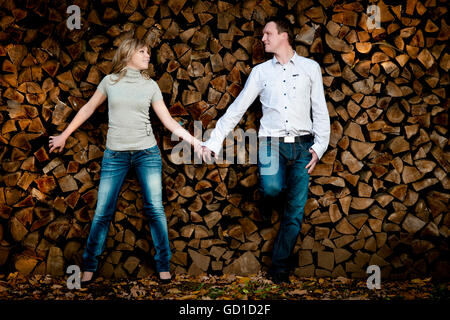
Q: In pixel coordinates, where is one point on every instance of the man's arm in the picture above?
(320, 116)
(234, 113)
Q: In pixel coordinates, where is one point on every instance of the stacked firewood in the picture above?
(379, 196)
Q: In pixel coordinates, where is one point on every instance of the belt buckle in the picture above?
(289, 139)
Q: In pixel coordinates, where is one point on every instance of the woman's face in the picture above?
(140, 59)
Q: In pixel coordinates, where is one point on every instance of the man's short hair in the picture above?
(283, 25)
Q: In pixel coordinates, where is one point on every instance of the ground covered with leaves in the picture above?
(227, 287)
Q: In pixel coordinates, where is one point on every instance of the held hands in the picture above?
(313, 162)
(56, 142)
(197, 147)
(206, 154)
(203, 152)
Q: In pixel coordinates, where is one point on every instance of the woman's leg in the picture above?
(148, 169)
(115, 166)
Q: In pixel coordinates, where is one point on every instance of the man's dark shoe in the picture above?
(280, 277)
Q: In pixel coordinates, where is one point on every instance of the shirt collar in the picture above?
(293, 59)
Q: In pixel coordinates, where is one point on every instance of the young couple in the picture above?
(290, 89)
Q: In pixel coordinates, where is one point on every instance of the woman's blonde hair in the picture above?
(124, 53)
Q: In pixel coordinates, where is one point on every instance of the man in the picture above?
(290, 142)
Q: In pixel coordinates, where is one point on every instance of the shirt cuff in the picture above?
(210, 145)
(318, 149)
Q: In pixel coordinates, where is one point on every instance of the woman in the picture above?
(129, 143)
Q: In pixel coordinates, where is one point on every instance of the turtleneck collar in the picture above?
(132, 74)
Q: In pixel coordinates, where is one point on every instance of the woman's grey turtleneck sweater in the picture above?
(129, 101)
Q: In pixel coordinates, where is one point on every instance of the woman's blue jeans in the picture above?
(282, 170)
(115, 166)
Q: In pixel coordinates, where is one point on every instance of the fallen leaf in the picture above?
(409, 296)
(188, 297)
(358, 298)
(420, 281)
(242, 279)
(136, 291)
(344, 280)
(174, 290)
(298, 292)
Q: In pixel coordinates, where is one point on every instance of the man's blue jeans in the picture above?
(282, 170)
(115, 166)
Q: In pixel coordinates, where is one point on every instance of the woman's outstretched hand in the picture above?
(197, 144)
(57, 142)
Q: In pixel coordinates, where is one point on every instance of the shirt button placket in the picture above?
(285, 87)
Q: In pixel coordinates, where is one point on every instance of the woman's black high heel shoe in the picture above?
(164, 281)
(87, 282)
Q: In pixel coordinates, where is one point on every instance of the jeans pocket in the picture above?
(109, 154)
(152, 150)
(304, 149)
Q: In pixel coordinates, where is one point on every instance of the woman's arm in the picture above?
(168, 122)
(82, 115)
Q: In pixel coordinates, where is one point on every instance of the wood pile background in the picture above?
(380, 195)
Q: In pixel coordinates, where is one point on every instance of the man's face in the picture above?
(271, 38)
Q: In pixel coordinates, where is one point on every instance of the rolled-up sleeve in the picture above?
(320, 116)
(234, 112)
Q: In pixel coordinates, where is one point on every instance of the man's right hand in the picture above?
(56, 142)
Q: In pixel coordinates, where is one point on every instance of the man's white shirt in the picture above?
(290, 95)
